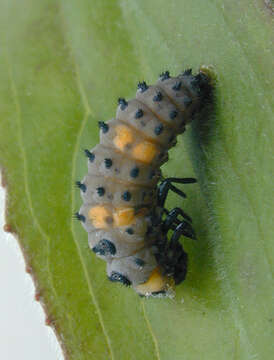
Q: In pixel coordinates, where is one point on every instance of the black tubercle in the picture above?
(164, 76)
(139, 113)
(108, 163)
(117, 277)
(123, 103)
(103, 126)
(100, 191)
(130, 231)
(89, 155)
(158, 129)
(187, 72)
(81, 186)
(158, 97)
(126, 196)
(104, 247)
(177, 86)
(142, 86)
(134, 172)
(139, 262)
(173, 114)
(80, 217)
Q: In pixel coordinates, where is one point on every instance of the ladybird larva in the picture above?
(124, 193)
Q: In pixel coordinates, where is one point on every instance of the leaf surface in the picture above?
(63, 64)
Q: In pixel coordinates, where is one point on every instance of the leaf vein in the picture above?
(154, 338)
(83, 124)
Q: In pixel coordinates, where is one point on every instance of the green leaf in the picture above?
(63, 64)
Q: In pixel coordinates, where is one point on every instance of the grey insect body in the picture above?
(123, 206)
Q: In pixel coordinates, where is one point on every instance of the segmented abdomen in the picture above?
(119, 191)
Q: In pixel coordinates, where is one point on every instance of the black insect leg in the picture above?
(163, 190)
(166, 185)
(180, 227)
(184, 228)
(172, 257)
(181, 180)
(172, 217)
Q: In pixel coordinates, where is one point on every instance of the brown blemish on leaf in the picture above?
(7, 228)
(28, 269)
(37, 296)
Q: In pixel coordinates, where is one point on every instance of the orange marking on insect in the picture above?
(124, 137)
(100, 217)
(156, 282)
(145, 152)
(124, 216)
(142, 212)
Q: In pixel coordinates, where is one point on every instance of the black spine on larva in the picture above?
(119, 177)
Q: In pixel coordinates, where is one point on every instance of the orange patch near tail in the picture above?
(156, 282)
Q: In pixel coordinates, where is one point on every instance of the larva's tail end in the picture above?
(210, 77)
(158, 285)
(206, 81)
